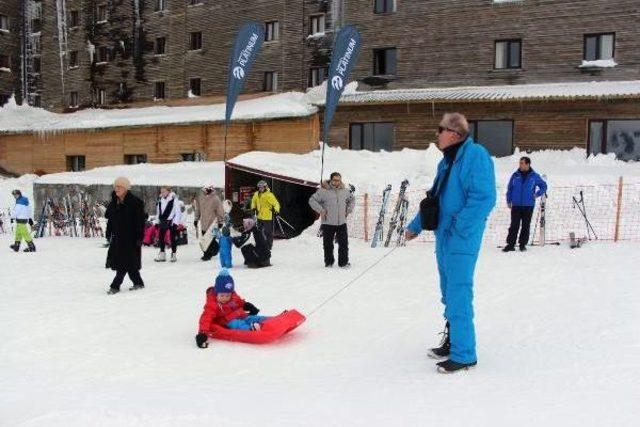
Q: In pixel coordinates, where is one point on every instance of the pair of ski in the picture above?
(398, 217)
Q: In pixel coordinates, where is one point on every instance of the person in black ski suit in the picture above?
(256, 254)
(126, 216)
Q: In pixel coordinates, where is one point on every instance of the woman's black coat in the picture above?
(126, 223)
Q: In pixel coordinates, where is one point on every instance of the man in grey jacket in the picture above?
(334, 203)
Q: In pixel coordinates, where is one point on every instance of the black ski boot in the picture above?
(30, 247)
(443, 351)
(450, 367)
(136, 287)
(523, 248)
(113, 291)
(509, 248)
(15, 246)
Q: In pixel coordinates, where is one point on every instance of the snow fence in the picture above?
(612, 210)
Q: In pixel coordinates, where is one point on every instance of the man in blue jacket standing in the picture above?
(466, 197)
(524, 187)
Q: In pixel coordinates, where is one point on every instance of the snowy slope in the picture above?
(558, 341)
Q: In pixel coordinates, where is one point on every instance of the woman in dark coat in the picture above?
(126, 217)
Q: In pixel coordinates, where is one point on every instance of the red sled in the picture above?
(152, 234)
(271, 329)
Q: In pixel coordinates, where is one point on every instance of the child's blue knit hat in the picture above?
(224, 282)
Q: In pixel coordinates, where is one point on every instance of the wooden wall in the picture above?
(537, 125)
(46, 153)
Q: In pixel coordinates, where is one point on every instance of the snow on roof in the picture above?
(182, 174)
(547, 91)
(371, 172)
(22, 118)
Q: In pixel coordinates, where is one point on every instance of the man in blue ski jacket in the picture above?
(524, 187)
(466, 197)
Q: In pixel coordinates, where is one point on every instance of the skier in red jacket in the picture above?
(224, 307)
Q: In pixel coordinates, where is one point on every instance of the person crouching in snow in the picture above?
(224, 307)
(22, 215)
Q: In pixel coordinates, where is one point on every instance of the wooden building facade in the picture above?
(42, 153)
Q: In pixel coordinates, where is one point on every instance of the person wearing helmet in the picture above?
(22, 215)
(266, 205)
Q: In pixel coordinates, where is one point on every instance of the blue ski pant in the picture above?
(245, 324)
(225, 252)
(456, 286)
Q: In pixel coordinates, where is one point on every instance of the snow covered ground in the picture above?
(557, 334)
(188, 174)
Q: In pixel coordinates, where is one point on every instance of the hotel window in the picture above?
(508, 54)
(101, 97)
(317, 24)
(76, 163)
(384, 61)
(371, 136)
(385, 6)
(621, 137)
(195, 86)
(102, 54)
(272, 31)
(73, 59)
(135, 159)
(270, 81)
(4, 23)
(74, 19)
(101, 13)
(599, 46)
(160, 47)
(495, 135)
(317, 75)
(5, 62)
(195, 41)
(158, 92)
(73, 99)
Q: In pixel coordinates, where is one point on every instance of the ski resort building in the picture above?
(33, 140)
(528, 74)
(9, 49)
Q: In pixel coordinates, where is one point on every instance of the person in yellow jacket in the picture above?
(265, 204)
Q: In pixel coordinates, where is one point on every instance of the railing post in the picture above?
(616, 236)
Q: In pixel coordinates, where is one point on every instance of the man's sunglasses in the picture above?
(442, 129)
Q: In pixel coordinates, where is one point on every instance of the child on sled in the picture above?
(224, 307)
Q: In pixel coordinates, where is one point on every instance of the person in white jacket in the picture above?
(168, 216)
(22, 216)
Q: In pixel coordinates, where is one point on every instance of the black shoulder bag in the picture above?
(430, 205)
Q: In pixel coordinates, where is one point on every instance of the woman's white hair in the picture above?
(122, 182)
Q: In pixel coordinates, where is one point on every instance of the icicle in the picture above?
(91, 49)
(336, 14)
(61, 9)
